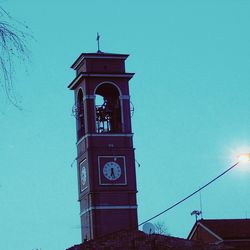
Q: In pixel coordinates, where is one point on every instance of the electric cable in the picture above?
(187, 197)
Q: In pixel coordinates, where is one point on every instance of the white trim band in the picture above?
(125, 75)
(124, 97)
(106, 207)
(88, 97)
(101, 135)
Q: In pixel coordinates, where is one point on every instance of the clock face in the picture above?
(112, 170)
(83, 175)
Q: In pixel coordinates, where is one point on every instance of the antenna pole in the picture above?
(201, 205)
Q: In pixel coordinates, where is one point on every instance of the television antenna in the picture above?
(196, 213)
(148, 228)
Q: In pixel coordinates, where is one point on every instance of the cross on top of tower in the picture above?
(98, 42)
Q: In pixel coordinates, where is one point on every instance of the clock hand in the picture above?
(112, 173)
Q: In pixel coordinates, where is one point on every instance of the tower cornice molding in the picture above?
(73, 84)
(84, 56)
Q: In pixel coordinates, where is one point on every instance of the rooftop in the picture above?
(227, 229)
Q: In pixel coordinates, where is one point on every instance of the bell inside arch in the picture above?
(108, 109)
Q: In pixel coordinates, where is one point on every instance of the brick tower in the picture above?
(105, 153)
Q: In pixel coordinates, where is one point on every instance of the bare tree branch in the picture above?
(161, 228)
(13, 48)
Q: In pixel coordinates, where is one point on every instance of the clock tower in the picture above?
(105, 152)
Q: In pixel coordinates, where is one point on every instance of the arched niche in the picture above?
(108, 109)
(80, 115)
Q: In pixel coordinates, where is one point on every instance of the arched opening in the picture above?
(108, 109)
(80, 115)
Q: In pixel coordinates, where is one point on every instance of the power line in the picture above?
(187, 197)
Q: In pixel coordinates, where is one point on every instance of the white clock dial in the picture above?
(83, 175)
(112, 170)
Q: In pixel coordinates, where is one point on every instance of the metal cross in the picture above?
(98, 42)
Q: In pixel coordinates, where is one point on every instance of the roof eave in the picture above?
(110, 75)
(98, 56)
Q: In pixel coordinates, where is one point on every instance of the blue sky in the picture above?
(191, 97)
